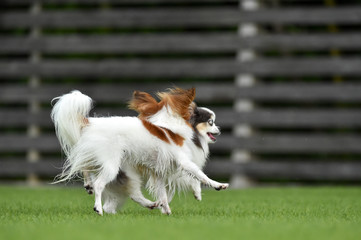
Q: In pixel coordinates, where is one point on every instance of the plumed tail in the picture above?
(70, 114)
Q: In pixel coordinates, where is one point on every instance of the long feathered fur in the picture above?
(74, 130)
(107, 146)
(147, 107)
(69, 115)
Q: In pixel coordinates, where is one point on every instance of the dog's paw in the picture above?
(197, 196)
(152, 205)
(109, 209)
(99, 211)
(89, 189)
(166, 210)
(222, 186)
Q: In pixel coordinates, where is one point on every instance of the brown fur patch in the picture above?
(155, 131)
(176, 138)
(179, 100)
(144, 104)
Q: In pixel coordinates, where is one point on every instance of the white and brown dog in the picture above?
(116, 151)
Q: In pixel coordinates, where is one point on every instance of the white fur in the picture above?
(181, 181)
(68, 114)
(107, 145)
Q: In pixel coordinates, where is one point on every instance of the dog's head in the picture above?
(203, 122)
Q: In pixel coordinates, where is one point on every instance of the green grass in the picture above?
(262, 213)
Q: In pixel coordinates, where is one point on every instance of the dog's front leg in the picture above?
(192, 169)
(197, 190)
(161, 195)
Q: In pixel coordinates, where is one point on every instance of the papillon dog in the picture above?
(204, 128)
(114, 152)
(202, 121)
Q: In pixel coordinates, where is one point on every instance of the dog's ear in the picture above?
(191, 95)
(192, 108)
(179, 100)
(144, 104)
(193, 111)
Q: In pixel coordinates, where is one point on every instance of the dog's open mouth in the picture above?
(210, 135)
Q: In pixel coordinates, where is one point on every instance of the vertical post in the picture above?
(33, 130)
(334, 52)
(244, 80)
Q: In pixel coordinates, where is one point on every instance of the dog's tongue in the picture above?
(211, 136)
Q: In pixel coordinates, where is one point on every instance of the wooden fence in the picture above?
(282, 77)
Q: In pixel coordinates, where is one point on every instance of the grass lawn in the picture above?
(261, 213)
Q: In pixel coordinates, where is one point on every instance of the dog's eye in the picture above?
(210, 122)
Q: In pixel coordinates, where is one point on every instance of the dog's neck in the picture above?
(200, 149)
(166, 118)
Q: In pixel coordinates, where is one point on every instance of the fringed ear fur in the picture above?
(193, 111)
(179, 100)
(144, 104)
(192, 108)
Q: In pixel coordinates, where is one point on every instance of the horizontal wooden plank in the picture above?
(315, 118)
(311, 41)
(291, 118)
(21, 168)
(136, 17)
(126, 2)
(23, 118)
(121, 68)
(206, 92)
(302, 66)
(177, 43)
(113, 93)
(134, 43)
(22, 143)
(315, 15)
(291, 143)
(182, 17)
(302, 92)
(280, 170)
(225, 67)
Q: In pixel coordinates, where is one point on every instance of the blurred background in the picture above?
(283, 77)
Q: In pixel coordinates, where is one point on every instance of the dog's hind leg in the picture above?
(134, 184)
(114, 198)
(105, 176)
(109, 201)
(88, 182)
